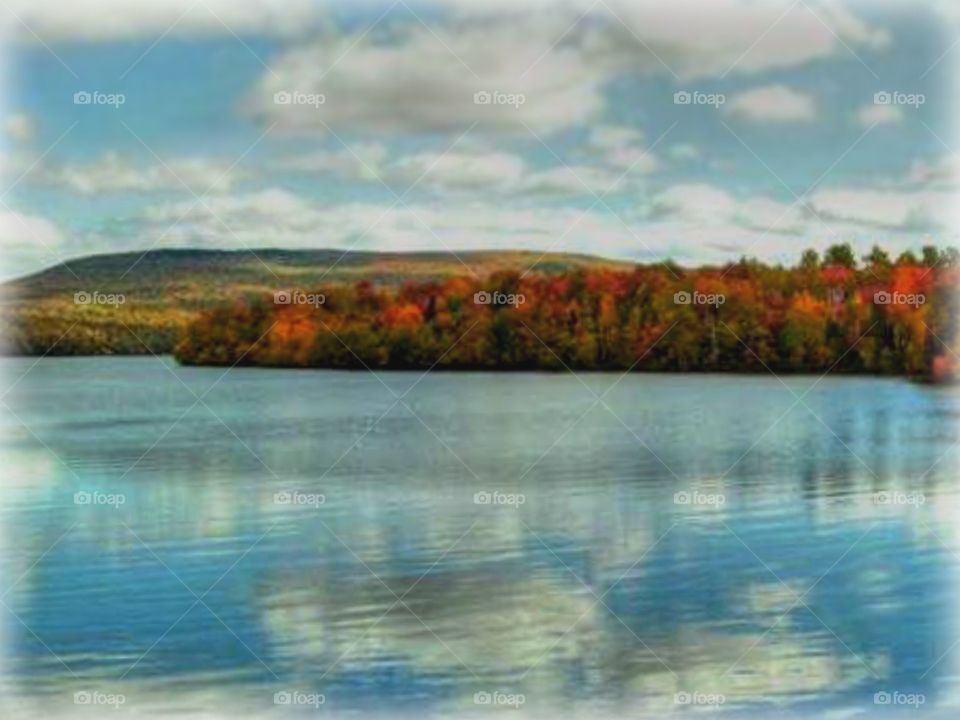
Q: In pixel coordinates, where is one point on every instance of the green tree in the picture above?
(931, 255)
(842, 255)
(810, 260)
(877, 258)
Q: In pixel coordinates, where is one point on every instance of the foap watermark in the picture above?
(495, 97)
(686, 97)
(498, 698)
(83, 497)
(299, 498)
(296, 297)
(95, 97)
(898, 298)
(483, 297)
(683, 297)
(499, 498)
(695, 497)
(885, 97)
(296, 97)
(94, 297)
(699, 698)
(95, 697)
(897, 497)
(894, 697)
(295, 697)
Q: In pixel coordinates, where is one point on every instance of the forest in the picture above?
(834, 313)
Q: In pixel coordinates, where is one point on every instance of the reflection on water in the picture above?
(691, 537)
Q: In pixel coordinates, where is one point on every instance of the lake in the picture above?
(251, 542)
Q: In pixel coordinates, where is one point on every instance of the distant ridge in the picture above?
(164, 290)
(201, 272)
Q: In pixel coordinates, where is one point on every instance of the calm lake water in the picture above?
(488, 543)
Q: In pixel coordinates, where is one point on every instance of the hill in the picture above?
(163, 290)
(215, 272)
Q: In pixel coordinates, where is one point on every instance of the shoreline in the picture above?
(486, 370)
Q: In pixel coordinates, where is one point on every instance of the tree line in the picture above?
(877, 315)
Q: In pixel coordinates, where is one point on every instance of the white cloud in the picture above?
(21, 230)
(768, 215)
(28, 243)
(494, 171)
(479, 171)
(772, 104)
(622, 147)
(744, 35)
(20, 127)
(939, 173)
(947, 10)
(361, 161)
(582, 180)
(695, 202)
(844, 211)
(753, 35)
(692, 224)
(870, 115)
(918, 210)
(276, 218)
(503, 175)
(105, 20)
(112, 172)
(279, 218)
(707, 205)
(425, 80)
(419, 79)
(611, 137)
(692, 38)
(683, 152)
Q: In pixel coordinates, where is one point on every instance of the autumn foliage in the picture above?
(888, 318)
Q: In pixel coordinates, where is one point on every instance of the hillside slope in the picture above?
(212, 272)
(163, 290)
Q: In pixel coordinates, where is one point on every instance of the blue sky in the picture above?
(586, 145)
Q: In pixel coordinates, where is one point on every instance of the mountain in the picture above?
(218, 272)
(162, 290)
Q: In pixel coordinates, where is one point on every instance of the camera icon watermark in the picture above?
(83, 497)
(894, 697)
(682, 297)
(496, 497)
(95, 97)
(495, 97)
(897, 497)
(94, 297)
(499, 699)
(97, 698)
(699, 699)
(695, 497)
(296, 297)
(314, 500)
(885, 97)
(495, 297)
(295, 97)
(695, 97)
(301, 699)
(882, 297)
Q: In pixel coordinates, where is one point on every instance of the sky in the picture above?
(695, 130)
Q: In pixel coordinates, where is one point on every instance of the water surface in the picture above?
(594, 545)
